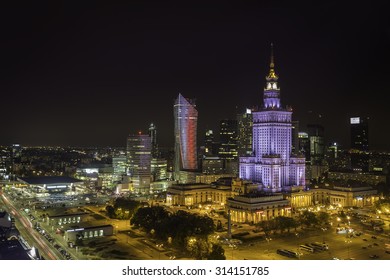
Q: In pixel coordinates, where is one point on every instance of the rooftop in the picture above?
(49, 180)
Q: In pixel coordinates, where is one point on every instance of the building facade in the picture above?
(139, 148)
(359, 133)
(273, 163)
(244, 133)
(186, 119)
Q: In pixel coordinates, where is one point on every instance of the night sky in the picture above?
(88, 75)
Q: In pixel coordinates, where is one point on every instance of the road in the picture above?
(27, 231)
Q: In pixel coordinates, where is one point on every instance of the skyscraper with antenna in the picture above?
(272, 163)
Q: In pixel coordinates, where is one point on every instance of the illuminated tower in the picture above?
(272, 164)
(186, 119)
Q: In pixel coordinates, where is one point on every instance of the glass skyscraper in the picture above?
(186, 119)
(139, 149)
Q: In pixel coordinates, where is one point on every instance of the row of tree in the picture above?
(282, 223)
(184, 230)
(122, 208)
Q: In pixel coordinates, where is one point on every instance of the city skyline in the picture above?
(68, 75)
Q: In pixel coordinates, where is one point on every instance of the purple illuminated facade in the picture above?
(272, 163)
(186, 120)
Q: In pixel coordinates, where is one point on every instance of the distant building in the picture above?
(213, 165)
(244, 133)
(304, 144)
(359, 133)
(228, 139)
(52, 184)
(153, 138)
(139, 162)
(186, 119)
(119, 164)
(317, 143)
(371, 178)
(294, 137)
(209, 143)
(158, 169)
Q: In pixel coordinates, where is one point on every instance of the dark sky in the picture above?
(87, 74)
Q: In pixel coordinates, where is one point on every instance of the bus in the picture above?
(320, 246)
(307, 248)
(287, 253)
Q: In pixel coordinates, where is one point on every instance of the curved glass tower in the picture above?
(186, 119)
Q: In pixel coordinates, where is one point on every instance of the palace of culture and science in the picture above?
(272, 164)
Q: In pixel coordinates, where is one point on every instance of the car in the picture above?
(364, 247)
(374, 256)
(373, 237)
(375, 244)
(364, 239)
(387, 251)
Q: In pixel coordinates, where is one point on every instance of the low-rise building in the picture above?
(345, 196)
(257, 207)
(89, 232)
(194, 194)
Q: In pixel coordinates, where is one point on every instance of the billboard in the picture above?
(355, 120)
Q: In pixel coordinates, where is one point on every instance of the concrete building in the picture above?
(345, 196)
(273, 164)
(64, 219)
(257, 207)
(195, 194)
(88, 232)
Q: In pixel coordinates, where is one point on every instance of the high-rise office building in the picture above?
(208, 143)
(244, 133)
(159, 169)
(304, 144)
(359, 133)
(317, 143)
(186, 119)
(272, 164)
(294, 137)
(228, 139)
(359, 154)
(138, 161)
(153, 138)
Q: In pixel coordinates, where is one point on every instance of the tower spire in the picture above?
(272, 74)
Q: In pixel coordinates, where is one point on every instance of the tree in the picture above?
(217, 253)
(110, 211)
(150, 218)
(267, 226)
(308, 218)
(323, 218)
